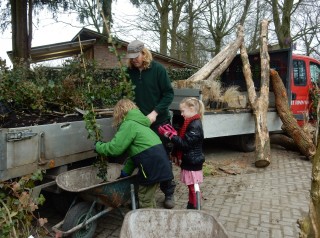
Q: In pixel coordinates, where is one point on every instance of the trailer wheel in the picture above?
(246, 143)
(75, 216)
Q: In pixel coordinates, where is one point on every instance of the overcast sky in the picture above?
(49, 32)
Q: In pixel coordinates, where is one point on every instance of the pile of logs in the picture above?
(294, 137)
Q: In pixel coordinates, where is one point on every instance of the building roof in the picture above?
(88, 39)
(56, 51)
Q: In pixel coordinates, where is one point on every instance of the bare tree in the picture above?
(306, 28)
(154, 18)
(259, 11)
(21, 14)
(192, 10)
(177, 6)
(221, 18)
(282, 12)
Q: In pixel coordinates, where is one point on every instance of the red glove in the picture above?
(167, 131)
(161, 130)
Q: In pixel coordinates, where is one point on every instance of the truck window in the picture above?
(315, 73)
(299, 73)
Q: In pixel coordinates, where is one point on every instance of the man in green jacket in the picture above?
(153, 96)
(144, 148)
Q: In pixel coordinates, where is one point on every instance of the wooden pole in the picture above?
(221, 61)
(259, 104)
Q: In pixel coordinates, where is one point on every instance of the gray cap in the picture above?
(134, 48)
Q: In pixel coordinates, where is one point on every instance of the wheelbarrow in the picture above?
(171, 223)
(158, 223)
(96, 198)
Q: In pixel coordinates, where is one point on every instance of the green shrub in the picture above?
(45, 89)
(180, 74)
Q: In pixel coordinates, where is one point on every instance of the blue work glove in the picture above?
(123, 175)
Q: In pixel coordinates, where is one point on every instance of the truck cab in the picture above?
(305, 79)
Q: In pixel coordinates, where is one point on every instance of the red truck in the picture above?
(304, 81)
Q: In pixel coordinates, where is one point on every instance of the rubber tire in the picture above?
(246, 143)
(75, 216)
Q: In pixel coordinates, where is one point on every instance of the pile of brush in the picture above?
(214, 95)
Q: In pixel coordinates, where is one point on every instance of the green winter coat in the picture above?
(142, 145)
(134, 136)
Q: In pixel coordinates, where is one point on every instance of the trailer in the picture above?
(54, 148)
(237, 124)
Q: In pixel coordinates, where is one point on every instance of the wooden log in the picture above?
(310, 225)
(290, 125)
(221, 61)
(284, 141)
(259, 104)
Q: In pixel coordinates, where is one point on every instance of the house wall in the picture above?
(105, 58)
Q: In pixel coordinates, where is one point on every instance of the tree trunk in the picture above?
(282, 27)
(310, 225)
(259, 105)
(107, 10)
(284, 141)
(163, 9)
(190, 33)
(176, 13)
(221, 61)
(20, 40)
(290, 125)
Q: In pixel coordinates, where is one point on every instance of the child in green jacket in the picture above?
(144, 148)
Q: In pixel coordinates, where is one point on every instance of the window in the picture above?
(315, 73)
(299, 73)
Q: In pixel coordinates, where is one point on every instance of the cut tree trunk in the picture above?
(217, 65)
(259, 104)
(310, 225)
(290, 125)
(284, 141)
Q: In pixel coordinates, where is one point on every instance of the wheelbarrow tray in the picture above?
(82, 179)
(158, 223)
(114, 192)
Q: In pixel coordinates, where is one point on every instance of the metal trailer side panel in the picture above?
(3, 160)
(220, 124)
(25, 149)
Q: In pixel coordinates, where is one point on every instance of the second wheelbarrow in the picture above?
(158, 223)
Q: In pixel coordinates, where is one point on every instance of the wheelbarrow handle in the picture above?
(133, 197)
(198, 197)
(60, 233)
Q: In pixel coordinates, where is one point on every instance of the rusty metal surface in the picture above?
(171, 224)
(114, 192)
